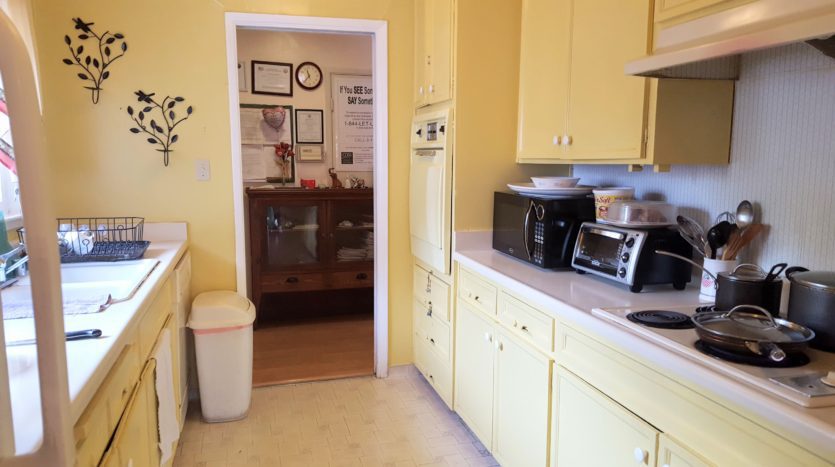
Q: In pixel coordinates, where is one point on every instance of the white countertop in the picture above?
(571, 297)
(88, 361)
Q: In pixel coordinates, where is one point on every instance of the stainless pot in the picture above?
(750, 285)
(812, 304)
(752, 333)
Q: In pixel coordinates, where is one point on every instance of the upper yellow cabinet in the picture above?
(576, 105)
(434, 21)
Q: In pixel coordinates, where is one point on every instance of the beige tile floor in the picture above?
(397, 421)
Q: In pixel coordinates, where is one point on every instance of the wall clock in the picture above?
(309, 75)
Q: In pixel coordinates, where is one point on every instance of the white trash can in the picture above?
(222, 325)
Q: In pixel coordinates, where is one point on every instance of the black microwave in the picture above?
(538, 230)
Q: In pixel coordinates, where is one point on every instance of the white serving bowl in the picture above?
(554, 182)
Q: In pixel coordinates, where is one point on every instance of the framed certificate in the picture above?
(309, 153)
(273, 78)
(310, 126)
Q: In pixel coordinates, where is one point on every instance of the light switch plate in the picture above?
(202, 170)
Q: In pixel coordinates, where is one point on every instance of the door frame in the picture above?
(378, 30)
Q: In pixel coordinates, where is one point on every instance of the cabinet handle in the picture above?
(524, 328)
(499, 346)
(362, 276)
(292, 280)
(488, 337)
(476, 298)
(432, 341)
(640, 455)
(429, 313)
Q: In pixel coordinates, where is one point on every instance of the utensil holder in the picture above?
(714, 266)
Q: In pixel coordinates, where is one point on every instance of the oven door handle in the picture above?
(527, 229)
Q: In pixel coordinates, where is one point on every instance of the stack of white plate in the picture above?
(529, 189)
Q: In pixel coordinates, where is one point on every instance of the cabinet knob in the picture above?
(499, 346)
(515, 324)
(566, 140)
(362, 276)
(420, 91)
(488, 337)
(432, 341)
(476, 298)
(640, 455)
(431, 88)
(524, 328)
(429, 312)
(292, 280)
(557, 140)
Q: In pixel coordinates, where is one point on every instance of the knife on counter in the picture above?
(71, 336)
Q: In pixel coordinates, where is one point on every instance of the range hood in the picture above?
(709, 47)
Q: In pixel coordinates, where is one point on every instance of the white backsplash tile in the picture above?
(782, 159)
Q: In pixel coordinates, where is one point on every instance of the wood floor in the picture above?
(327, 348)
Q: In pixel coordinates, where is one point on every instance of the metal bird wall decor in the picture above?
(94, 61)
(159, 130)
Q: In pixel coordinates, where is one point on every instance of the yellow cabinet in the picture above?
(521, 409)
(592, 430)
(544, 71)
(433, 51)
(669, 12)
(576, 104)
(135, 440)
(673, 454)
(474, 365)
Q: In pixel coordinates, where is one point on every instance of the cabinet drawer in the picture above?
(477, 292)
(96, 424)
(527, 322)
(421, 285)
(352, 279)
(293, 282)
(432, 331)
(153, 320)
(436, 371)
(439, 299)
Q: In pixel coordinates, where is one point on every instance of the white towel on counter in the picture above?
(169, 429)
(17, 302)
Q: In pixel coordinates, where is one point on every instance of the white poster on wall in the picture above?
(353, 122)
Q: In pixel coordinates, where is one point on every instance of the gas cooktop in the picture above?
(797, 381)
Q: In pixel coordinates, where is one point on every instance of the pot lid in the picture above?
(823, 280)
(745, 272)
(751, 326)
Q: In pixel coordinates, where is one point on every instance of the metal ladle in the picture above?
(744, 214)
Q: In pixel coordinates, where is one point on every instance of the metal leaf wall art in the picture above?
(105, 49)
(159, 131)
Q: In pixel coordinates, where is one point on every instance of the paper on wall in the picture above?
(353, 122)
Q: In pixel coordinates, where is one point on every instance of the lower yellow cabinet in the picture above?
(135, 442)
(522, 399)
(502, 389)
(474, 363)
(673, 454)
(594, 431)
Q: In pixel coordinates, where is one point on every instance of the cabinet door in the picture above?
(474, 358)
(420, 52)
(673, 454)
(292, 233)
(439, 77)
(522, 398)
(543, 78)
(135, 440)
(352, 224)
(606, 107)
(592, 430)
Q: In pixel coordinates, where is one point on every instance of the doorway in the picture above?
(351, 321)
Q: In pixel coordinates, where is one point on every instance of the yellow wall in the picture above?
(486, 90)
(178, 47)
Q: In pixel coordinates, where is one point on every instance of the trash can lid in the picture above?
(220, 309)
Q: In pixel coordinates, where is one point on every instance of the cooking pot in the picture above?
(758, 333)
(747, 284)
(812, 304)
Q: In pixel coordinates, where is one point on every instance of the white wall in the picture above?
(334, 53)
(782, 159)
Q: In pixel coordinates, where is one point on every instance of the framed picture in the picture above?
(309, 153)
(310, 126)
(242, 82)
(273, 78)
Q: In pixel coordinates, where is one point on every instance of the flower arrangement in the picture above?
(284, 157)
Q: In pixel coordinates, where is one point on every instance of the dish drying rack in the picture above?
(88, 239)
